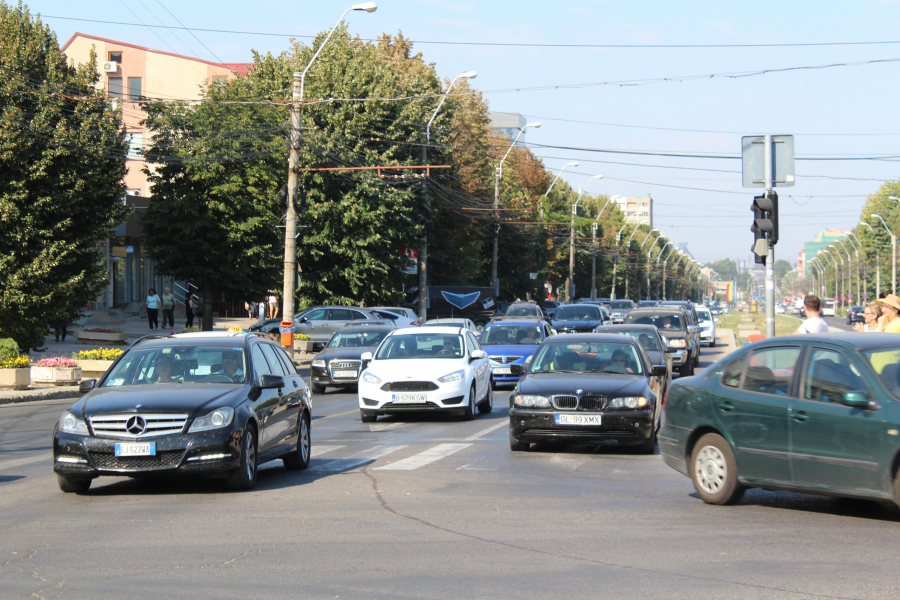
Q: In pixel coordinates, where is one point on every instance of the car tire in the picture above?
(713, 471)
(685, 369)
(470, 408)
(367, 417)
(317, 389)
(244, 477)
(298, 460)
(73, 486)
(517, 446)
(487, 405)
(712, 344)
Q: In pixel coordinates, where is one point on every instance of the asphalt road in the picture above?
(427, 508)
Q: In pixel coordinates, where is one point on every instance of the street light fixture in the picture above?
(571, 164)
(423, 250)
(495, 229)
(893, 254)
(571, 291)
(290, 219)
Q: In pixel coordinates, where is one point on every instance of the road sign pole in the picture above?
(770, 257)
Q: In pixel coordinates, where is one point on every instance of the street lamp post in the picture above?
(628, 255)
(658, 256)
(893, 254)
(423, 249)
(594, 260)
(877, 264)
(615, 263)
(649, 294)
(854, 242)
(495, 229)
(290, 219)
(835, 263)
(570, 293)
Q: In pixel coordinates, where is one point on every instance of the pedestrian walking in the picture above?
(813, 323)
(168, 308)
(248, 306)
(60, 328)
(273, 306)
(153, 303)
(190, 304)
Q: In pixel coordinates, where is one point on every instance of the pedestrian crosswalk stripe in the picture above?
(320, 450)
(357, 460)
(483, 432)
(424, 458)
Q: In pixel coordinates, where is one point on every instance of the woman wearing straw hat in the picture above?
(890, 308)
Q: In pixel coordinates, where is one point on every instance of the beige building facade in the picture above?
(638, 211)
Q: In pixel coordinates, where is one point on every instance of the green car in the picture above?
(816, 414)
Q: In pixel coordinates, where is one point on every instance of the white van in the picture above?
(828, 308)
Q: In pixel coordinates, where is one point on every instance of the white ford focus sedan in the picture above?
(426, 369)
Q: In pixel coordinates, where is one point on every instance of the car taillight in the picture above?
(416, 322)
(665, 397)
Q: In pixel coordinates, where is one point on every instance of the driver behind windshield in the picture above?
(163, 369)
(231, 365)
(619, 359)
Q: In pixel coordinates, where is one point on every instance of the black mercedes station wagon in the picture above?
(212, 403)
(587, 387)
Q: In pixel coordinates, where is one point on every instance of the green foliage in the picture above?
(9, 349)
(61, 173)
(782, 268)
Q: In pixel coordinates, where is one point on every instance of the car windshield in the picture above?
(511, 334)
(421, 345)
(588, 357)
(580, 312)
(646, 340)
(626, 304)
(703, 315)
(523, 311)
(357, 339)
(645, 303)
(662, 322)
(179, 364)
(886, 364)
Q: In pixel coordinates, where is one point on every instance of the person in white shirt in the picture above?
(153, 309)
(813, 323)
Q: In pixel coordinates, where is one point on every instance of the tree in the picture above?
(782, 268)
(62, 150)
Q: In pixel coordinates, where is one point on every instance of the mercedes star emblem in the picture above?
(135, 425)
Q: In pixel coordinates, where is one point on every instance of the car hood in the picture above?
(346, 353)
(415, 369)
(523, 350)
(582, 325)
(612, 385)
(193, 398)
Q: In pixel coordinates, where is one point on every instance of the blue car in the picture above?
(512, 341)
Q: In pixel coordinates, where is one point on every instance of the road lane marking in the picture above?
(320, 450)
(341, 414)
(357, 460)
(424, 458)
(386, 426)
(18, 462)
(487, 431)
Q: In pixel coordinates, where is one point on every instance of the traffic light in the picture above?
(765, 225)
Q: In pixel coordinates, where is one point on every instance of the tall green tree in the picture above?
(62, 150)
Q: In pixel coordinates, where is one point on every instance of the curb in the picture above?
(38, 395)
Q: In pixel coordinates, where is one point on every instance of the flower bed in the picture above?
(95, 363)
(15, 373)
(104, 354)
(59, 370)
(93, 335)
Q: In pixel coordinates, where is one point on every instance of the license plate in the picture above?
(409, 398)
(501, 370)
(344, 374)
(146, 449)
(578, 419)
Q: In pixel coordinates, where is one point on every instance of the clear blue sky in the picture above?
(843, 100)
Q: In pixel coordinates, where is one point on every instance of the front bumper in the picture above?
(91, 456)
(679, 357)
(447, 397)
(625, 427)
(707, 335)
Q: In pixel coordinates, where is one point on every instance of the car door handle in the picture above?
(726, 407)
(295, 383)
(800, 417)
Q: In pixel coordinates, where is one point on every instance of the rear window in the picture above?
(523, 311)
(580, 312)
(512, 334)
(626, 304)
(663, 322)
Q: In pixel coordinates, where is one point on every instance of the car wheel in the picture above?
(517, 446)
(714, 471)
(712, 344)
(470, 408)
(685, 370)
(487, 405)
(367, 417)
(70, 485)
(244, 477)
(317, 389)
(299, 458)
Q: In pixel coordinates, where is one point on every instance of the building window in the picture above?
(115, 87)
(135, 146)
(116, 57)
(220, 81)
(134, 88)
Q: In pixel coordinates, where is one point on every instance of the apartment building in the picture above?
(636, 210)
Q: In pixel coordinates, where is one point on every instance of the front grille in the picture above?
(592, 403)
(344, 365)
(167, 459)
(504, 360)
(565, 402)
(411, 407)
(582, 433)
(409, 386)
(154, 425)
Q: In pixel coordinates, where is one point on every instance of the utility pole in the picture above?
(770, 257)
(290, 220)
(615, 264)
(571, 291)
(594, 260)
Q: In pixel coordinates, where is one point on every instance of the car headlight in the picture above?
(628, 402)
(454, 376)
(369, 378)
(221, 417)
(319, 363)
(532, 401)
(678, 343)
(69, 423)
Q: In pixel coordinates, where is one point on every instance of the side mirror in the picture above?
(659, 370)
(716, 320)
(554, 332)
(855, 400)
(302, 320)
(516, 370)
(272, 382)
(366, 357)
(87, 385)
(477, 354)
(528, 360)
(692, 328)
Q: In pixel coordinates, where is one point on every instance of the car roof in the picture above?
(431, 329)
(370, 328)
(655, 310)
(851, 338)
(500, 321)
(591, 337)
(631, 327)
(200, 338)
(447, 321)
